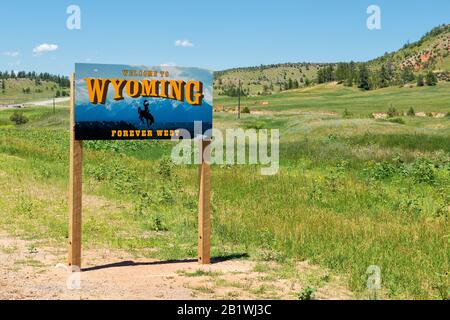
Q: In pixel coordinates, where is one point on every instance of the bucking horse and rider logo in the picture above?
(145, 116)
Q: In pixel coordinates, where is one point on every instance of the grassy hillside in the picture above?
(430, 53)
(20, 90)
(272, 77)
(336, 98)
(351, 192)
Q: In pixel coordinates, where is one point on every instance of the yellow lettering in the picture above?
(163, 87)
(177, 89)
(97, 89)
(194, 98)
(150, 88)
(134, 88)
(118, 84)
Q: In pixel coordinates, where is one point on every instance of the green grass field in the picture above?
(335, 98)
(351, 192)
(13, 92)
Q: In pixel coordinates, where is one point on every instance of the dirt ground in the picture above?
(29, 272)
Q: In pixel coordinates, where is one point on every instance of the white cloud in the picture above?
(45, 47)
(183, 43)
(168, 64)
(11, 53)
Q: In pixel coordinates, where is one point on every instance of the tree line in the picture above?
(367, 77)
(62, 81)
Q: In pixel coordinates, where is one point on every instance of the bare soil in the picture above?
(29, 271)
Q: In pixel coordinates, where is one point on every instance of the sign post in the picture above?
(204, 196)
(120, 102)
(75, 188)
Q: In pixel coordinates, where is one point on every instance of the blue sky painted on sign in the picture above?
(204, 33)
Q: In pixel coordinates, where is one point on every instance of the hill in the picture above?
(265, 79)
(24, 87)
(405, 66)
(430, 52)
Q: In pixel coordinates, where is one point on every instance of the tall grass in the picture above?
(350, 193)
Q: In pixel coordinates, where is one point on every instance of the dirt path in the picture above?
(48, 102)
(30, 272)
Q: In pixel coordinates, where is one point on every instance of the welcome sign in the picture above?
(121, 102)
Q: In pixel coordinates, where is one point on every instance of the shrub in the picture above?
(420, 80)
(143, 204)
(307, 293)
(245, 110)
(392, 112)
(165, 168)
(411, 112)
(422, 171)
(18, 118)
(397, 120)
(347, 114)
(410, 206)
(442, 285)
(431, 79)
(382, 170)
(157, 224)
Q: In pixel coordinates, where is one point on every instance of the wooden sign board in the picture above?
(120, 102)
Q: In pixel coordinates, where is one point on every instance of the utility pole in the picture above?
(239, 100)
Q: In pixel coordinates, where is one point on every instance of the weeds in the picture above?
(307, 293)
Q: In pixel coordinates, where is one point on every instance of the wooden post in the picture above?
(75, 189)
(239, 100)
(204, 194)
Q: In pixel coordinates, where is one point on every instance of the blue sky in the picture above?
(210, 34)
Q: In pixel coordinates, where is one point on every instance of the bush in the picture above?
(392, 112)
(347, 114)
(420, 80)
(18, 118)
(411, 112)
(422, 171)
(431, 79)
(307, 293)
(245, 110)
(382, 170)
(397, 120)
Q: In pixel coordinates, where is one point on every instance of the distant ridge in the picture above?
(430, 53)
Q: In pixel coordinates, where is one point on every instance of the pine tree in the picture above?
(431, 79)
(363, 77)
(407, 75)
(420, 80)
(383, 77)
